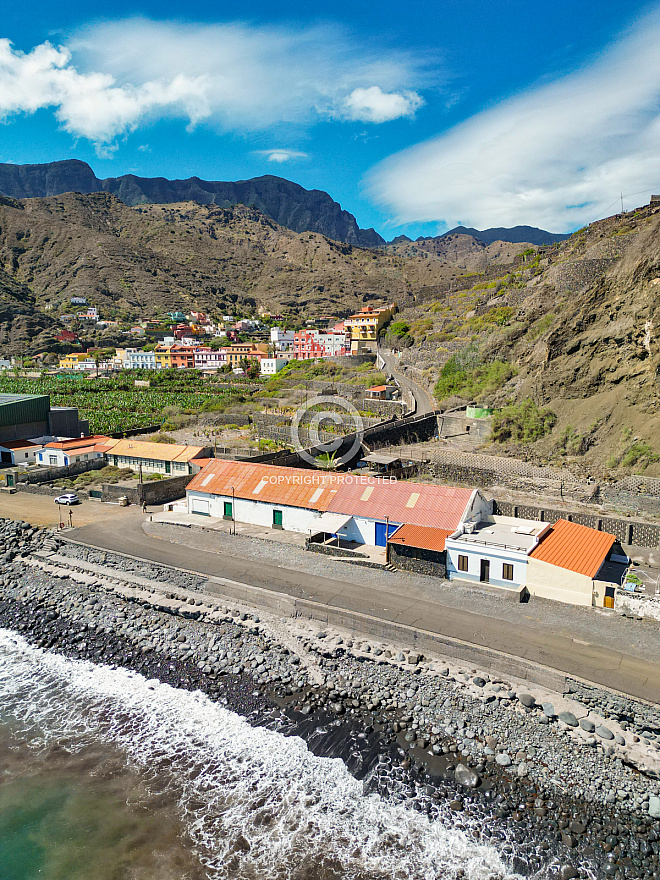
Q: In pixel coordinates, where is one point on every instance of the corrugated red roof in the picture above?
(421, 536)
(440, 507)
(574, 547)
(291, 487)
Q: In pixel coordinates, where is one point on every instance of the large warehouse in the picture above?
(31, 417)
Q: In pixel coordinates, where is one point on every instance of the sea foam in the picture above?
(257, 804)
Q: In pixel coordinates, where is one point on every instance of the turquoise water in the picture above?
(69, 816)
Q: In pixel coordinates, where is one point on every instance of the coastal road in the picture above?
(423, 402)
(536, 642)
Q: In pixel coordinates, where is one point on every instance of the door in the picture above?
(201, 506)
(168, 467)
(277, 519)
(227, 509)
(609, 598)
(485, 571)
(384, 531)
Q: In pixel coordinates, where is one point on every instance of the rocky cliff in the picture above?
(287, 203)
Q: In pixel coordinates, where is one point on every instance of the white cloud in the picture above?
(113, 77)
(89, 104)
(375, 105)
(554, 156)
(281, 155)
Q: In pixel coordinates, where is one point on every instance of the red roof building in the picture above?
(575, 547)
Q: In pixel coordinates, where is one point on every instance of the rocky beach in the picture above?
(538, 783)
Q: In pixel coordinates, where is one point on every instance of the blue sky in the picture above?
(414, 118)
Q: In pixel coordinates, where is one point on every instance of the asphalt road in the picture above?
(597, 663)
(423, 402)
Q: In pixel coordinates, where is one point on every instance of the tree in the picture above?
(254, 369)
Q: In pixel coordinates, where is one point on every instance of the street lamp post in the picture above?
(233, 516)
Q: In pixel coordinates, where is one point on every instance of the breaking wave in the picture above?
(258, 805)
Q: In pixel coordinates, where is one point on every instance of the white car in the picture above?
(68, 498)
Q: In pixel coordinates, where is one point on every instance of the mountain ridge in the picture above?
(284, 201)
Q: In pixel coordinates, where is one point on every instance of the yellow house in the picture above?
(365, 326)
(71, 361)
(163, 355)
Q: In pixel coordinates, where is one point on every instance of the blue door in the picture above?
(380, 532)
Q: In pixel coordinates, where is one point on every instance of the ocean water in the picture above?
(106, 774)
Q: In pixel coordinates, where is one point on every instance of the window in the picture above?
(277, 519)
(52, 459)
(462, 563)
(507, 572)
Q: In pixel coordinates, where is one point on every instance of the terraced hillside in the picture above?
(574, 327)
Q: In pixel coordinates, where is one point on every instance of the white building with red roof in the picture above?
(355, 509)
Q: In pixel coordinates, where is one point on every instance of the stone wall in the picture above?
(626, 531)
(429, 562)
(51, 474)
(329, 550)
(153, 493)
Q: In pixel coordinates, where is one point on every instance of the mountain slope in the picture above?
(573, 327)
(285, 202)
(135, 262)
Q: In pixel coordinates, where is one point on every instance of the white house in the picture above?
(62, 453)
(271, 366)
(156, 458)
(283, 498)
(493, 550)
(208, 359)
(140, 360)
(281, 340)
(576, 564)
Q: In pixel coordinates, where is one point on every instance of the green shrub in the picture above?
(522, 422)
(539, 327)
(471, 382)
(160, 437)
(638, 452)
(572, 442)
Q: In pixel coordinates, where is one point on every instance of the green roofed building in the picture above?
(29, 416)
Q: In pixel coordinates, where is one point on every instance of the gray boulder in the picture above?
(466, 776)
(568, 718)
(604, 732)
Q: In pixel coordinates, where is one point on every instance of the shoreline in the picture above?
(447, 739)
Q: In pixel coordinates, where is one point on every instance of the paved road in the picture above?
(423, 402)
(597, 663)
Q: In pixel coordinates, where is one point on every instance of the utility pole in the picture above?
(622, 203)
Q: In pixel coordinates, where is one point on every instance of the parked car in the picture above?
(68, 498)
